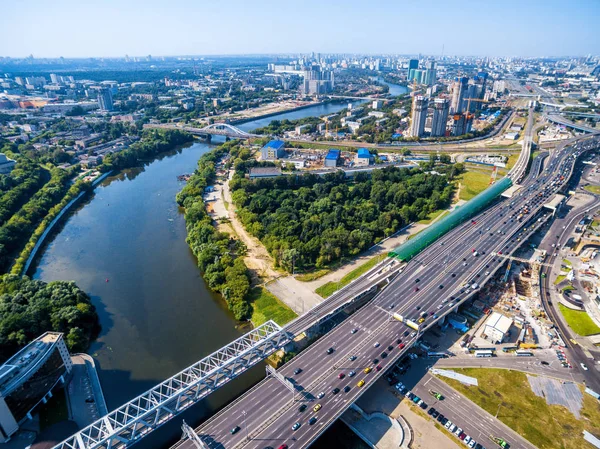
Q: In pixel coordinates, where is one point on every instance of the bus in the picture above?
(484, 353)
(521, 353)
(436, 355)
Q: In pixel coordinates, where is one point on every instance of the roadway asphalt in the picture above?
(435, 281)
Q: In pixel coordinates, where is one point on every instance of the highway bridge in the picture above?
(555, 118)
(215, 129)
(430, 286)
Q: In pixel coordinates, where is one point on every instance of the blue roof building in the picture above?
(275, 149)
(363, 157)
(332, 158)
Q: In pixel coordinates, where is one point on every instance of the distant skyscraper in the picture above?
(317, 81)
(441, 106)
(105, 100)
(429, 77)
(419, 115)
(458, 94)
(413, 64)
(54, 78)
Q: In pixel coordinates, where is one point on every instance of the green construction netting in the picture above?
(409, 249)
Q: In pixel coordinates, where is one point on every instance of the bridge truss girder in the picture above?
(140, 416)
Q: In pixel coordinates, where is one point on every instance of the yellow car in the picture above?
(368, 369)
(573, 341)
(316, 408)
(361, 383)
(421, 320)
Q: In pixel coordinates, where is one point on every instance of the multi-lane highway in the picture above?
(429, 286)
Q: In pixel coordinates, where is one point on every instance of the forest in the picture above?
(29, 308)
(311, 221)
(218, 255)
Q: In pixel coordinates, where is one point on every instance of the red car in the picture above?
(378, 367)
(401, 346)
(341, 376)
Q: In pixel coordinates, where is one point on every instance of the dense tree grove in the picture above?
(311, 221)
(153, 142)
(29, 308)
(18, 186)
(218, 255)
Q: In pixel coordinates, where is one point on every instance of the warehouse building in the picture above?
(363, 157)
(275, 149)
(496, 327)
(332, 159)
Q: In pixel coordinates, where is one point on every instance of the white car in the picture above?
(458, 431)
(467, 440)
(472, 443)
(584, 366)
(376, 345)
(448, 424)
(320, 395)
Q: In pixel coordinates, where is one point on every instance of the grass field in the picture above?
(546, 426)
(559, 279)
(330, 288)
(472, 183)
(432, 216)
(313, 275)
(593, 189)
(265, 307)
(579, 321)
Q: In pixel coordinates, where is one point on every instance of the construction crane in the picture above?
(494, 174)
(473, 99)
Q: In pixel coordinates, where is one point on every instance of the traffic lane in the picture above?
(474, 420)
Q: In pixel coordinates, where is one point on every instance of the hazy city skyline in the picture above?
(114, 28)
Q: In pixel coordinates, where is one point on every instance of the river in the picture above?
(125, 246)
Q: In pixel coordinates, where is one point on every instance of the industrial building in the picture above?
(28, 378)
(419, 115)
(363, 157)
(441, 107)
(264, 172)
(496, 327)
(332, 158)
(275, 149)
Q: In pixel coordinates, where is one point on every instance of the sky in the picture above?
(109, 28)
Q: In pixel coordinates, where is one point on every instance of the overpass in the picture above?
(569, 124)
(215, 129)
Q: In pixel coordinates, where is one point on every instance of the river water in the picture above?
(125, 246)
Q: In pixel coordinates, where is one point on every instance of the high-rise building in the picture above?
(458, 94)
(441, 107)
(54, 78)
(413, 64)
(430, 74)
(317, 81)
(105, 101)
(419, 115)
(28, 378)
(462, 124)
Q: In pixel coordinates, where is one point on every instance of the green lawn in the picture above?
(559, 279)
(567, 263)
(546, 426)
(330, 288)
(593, 189)
(265, 307)
(473, 183)
(307, 277)
(579, 321)
(432, 216)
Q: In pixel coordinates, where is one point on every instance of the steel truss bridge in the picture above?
(145, 413)
(216, 129)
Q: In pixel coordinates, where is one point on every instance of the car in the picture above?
(462, 436)
(417, 280)
(351, 374)
(423, 405)
(452, 428)
(378, 367)
(398, 341)
(375, 361)
(89, 400)
(448, 424)
(320, 395)
(584, 366)
(312, 420)
(543, 362)
(430, 411)
(317, 407)
(335, 390)
(330, 351)
(302, 408)
(401, 346)
(418, 308)
(297, 371)
(341, 376)
(467, 439)
(472, 443)
(416, 289)
(390, 347)
(235, 430)
(384, 355)
(409, 394)
(283, 446)
(352, 358)
(391, 306)
(296, 426)
(346, 388)
(354, 331)
(376, 344)
(360, 383)
(479, 446)
(441, 417)
(368, 369)
(458, 431)
(405, 334)
(413, 334)
(435, 413)
(441, 286)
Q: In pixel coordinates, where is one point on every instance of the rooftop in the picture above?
(276, 144)
(363, 152)
(20, 364)
(499, 322)
(333, 154)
